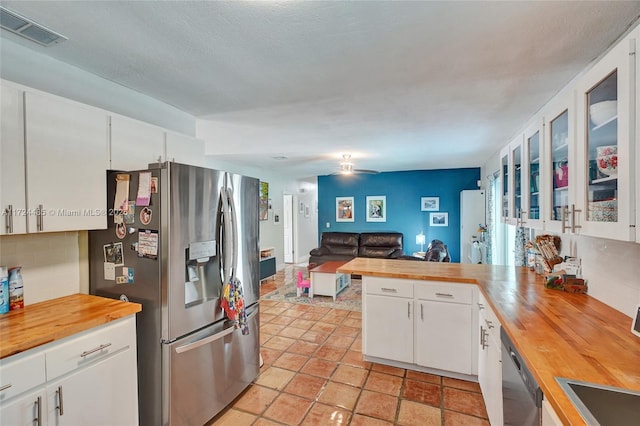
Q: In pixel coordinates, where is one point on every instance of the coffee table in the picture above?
(326, 281)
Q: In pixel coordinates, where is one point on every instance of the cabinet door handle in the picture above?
(564, 218)
(5, 387)
(60, 406)
(389, 290)
(489, 323)
(99, 348)
(38, 419)
(444, 295)
(9, 219)
(480, 306)
(39, 221)
(573, 218)
(422, 312)
(408, 309)
(483, 337)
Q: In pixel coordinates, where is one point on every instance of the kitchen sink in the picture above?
(603, 405)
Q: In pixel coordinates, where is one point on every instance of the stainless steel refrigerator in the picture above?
(176, 235)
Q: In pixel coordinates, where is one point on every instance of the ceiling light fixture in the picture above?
(25, 27)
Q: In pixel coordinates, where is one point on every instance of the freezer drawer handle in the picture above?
(212, 338)
(99, 348)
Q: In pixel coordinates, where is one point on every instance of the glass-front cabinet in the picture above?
(516, 202)
(505, 184)
(532, 199)
(559, 156)
(605, 191)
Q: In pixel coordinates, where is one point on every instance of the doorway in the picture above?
(288, 218)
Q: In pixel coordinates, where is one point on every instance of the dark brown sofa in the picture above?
(348, 245)
(383, 245)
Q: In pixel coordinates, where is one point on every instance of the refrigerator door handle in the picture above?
(226, 228)
(234, 232)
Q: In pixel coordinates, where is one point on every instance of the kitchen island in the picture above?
(558, 334)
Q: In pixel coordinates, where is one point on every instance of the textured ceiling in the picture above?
(400, 85)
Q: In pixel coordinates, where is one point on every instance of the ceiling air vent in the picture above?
(26, 28)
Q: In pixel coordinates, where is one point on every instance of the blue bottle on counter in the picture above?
(4, 290)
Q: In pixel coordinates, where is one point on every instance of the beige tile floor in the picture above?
(314, 374)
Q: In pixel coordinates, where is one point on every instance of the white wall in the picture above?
(50, 263)
(271, 232)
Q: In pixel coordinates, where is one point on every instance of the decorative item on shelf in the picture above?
(420, 239)
(603, 112)
(607, 159)
(561, 174)
(535, 182)
(603, 211)
(482, 230)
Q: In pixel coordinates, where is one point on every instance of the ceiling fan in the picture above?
(346, 167)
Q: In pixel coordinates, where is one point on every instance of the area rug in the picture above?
(349, 299)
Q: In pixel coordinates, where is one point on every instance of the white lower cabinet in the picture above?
(91, 378)
(27, 410)
(388, 315)
(424, 323)
(490, 362)
(97, 395)
(443, 336)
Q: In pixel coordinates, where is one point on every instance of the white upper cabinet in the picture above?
(511, 164)
(184, 149)
(605, 187)
(559, 162)
(532, 198)
(505, 184)
(66, 159)
(135, 144)
(12, 178)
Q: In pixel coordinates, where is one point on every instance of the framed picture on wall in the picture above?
(439, 219)
(377, 208)
(430, 204)
(264, 200)
(344, 209)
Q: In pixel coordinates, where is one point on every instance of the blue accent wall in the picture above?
(404, 191)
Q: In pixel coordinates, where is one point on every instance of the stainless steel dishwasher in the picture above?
(521, 396)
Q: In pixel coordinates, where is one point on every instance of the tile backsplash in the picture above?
(52, 263)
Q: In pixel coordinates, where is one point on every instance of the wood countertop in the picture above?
(45, 322)
(558, 334)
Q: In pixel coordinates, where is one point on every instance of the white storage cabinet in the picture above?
(490, 361)
(444, 326)
(13, 189)
(135, 144)
(388, 318)
(91, 378)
